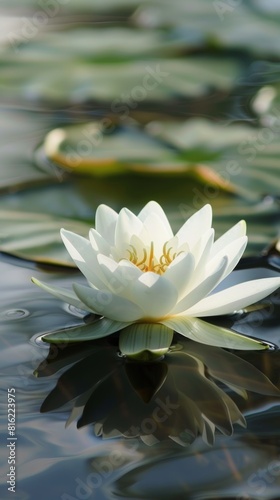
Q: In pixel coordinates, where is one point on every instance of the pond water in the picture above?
(120, 103)
(155, 443)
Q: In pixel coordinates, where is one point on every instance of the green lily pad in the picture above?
(36, 237)
(20, 133)
(231, 157)
(222, 23)
(89, 148)
(246, 158)
(122, 84)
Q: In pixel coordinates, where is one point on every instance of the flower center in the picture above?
(147, 261)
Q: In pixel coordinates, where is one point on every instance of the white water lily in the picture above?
(148, 282)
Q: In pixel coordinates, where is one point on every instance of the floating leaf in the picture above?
(213, 335)
(96, 330)
(88, 149)
(20, 133)
(36, 237)
(232, 25)
(123, 85)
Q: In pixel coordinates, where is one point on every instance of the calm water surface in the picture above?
(59, 462)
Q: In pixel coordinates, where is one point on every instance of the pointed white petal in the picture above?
(195, 226)
(157, 232)
(84, 256)
(154, 294)
(231, 235)
(202, 290)
(201, 251)
(61, 293)
(141, 337)
(91, 331)
(77, 246)
(108, 304)
(233, 251)
(180, 271)
(105, 223)
(127, 225)
(154, 208)
(205, 333)
(98, 243)
(234, 298)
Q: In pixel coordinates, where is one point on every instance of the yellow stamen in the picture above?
(149, 262)
(151, 258)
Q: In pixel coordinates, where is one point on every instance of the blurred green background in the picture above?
(120, 102)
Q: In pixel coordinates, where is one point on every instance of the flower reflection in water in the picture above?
(187, 394)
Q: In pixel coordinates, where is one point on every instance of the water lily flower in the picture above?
(148, 282)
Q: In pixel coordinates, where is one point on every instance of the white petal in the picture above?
(180, 271)
(84, 257)
(233, 251)
(234, 298)
(118, 275)
(154, 208)
(98, 243)
(127, 225)
(105, 223)
(157, 232)
(154, 294)
(108, 304)
(201, 250)
(202, 290)
(195, 226)
(205, 333)
(203, 247)
(231, 235)
(61, 293)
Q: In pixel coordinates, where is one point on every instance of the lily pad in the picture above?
(220, 23)
(30, 224)
(122, 84)
(20, 133)
(246, 158)
(231, 157)
(36, 237)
